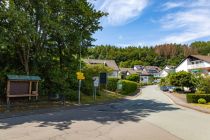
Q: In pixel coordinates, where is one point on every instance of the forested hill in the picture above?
(159, 55)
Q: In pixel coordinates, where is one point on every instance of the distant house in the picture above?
(166, 70)
(152, 70)
(109, 63)
(148, 73)
(145, 77)
(145, 72)
(195, 64)
(128, 71)
(138, 67)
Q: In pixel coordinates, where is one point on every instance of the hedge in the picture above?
(128, 87)
(193, 98)
(112, 84)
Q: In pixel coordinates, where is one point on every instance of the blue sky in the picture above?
(150, 22)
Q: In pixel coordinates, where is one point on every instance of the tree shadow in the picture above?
(121, 112)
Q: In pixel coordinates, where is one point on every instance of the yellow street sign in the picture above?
(80, 76)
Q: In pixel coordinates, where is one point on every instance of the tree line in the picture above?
(158, 55)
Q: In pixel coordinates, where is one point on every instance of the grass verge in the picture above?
(206, 106)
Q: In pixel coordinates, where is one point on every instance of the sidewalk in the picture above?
(180, 102)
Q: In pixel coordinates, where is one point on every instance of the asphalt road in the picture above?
(149, 116)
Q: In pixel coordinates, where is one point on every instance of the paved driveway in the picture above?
(149, 116)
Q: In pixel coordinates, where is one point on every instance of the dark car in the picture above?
(164, 88)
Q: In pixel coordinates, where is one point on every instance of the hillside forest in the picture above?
(158, 55)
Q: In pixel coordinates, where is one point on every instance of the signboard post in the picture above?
(80, 77)
(95, 84)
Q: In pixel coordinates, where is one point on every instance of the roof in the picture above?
(170, 67)
(152, 69)
(139, 67)
(202, 57)
(130, 70)
(109, 63)
(23, 78)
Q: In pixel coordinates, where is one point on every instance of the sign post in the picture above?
(95, 84)
(80, 77)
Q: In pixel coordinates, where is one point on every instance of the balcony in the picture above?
(197, 66)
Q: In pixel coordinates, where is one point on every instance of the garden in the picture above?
(194, 88)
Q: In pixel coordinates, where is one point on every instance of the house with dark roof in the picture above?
(109, 63)
(195, 64)
(152, 70)
(148, 73)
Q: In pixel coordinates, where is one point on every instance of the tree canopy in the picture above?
(44, 37)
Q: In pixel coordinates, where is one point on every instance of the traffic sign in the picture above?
(96, 81)
(80, 76)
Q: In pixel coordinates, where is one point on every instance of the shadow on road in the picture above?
(126, 110)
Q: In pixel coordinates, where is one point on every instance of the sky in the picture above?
(152, 22)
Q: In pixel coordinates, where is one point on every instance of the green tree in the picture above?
(133, 77)
(182, 79)
(203, 85)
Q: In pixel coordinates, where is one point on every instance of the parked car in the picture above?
(168, 88)
(164, 88)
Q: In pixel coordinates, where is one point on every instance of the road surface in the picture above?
(149, 116)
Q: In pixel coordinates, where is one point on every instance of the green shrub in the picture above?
(133, 77)
(201, 101)
(112, 84)
(128, 87)
(193, 98)
(203, 85)
(200, 92)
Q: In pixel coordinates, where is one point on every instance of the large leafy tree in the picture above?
(47, 29)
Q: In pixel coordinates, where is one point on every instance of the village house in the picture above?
(128, 71)
(109, 63)
(195, 64)
(166, 70)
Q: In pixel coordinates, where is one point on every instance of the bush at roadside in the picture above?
(201, 101)
(128, 87)
(133, 77)
(193, 98)
(112, 84)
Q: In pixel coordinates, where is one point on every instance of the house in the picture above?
(195, 64)
(145, 77)
(145, 72)
(128, 71)
(109, 63)
(166, 70)
(152, 70)
(149, 73)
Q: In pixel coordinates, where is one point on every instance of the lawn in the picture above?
(103, 97)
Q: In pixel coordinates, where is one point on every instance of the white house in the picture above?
(166, 70)
(195, 64)
(109, 63)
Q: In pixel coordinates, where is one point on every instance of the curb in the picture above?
(177, 101)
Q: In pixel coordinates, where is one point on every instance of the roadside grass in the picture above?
(104, 97)
(206, 106)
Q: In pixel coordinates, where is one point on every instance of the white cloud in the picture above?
(121, 11)
(171, 5)
(188, 24)
(186, 4)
